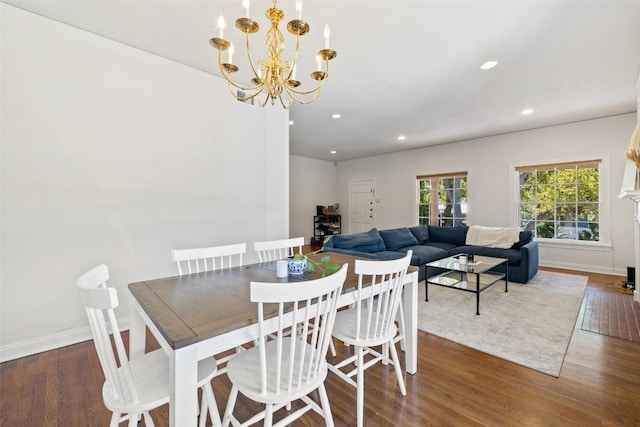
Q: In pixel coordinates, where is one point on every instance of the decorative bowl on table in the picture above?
(297, 265)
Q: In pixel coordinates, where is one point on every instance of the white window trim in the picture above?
(604, 195)
(416, 197)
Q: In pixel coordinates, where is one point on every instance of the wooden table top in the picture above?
(191, 308)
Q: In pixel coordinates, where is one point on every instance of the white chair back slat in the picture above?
(100, 303)
(298, 360)
(130, 389)
(381, 309)
(199, 260)
(105, 355)
(274, 250)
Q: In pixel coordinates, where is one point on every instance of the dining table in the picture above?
(200, 315)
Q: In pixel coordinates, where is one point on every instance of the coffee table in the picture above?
(468, 277)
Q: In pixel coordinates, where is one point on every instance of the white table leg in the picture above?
(410, 303)
(137, 332)
(183, 400)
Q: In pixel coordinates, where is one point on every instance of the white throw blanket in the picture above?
(493, 237)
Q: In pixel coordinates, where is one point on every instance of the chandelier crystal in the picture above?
(273, 79)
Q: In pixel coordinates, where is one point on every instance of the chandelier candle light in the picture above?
(279, 81)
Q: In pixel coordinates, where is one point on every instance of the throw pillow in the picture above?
(398, 238)
(421, 232)
(371, 241)
(456, 235)
(525, 237)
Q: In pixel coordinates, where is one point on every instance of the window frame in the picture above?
(604, 199)
(434, 214)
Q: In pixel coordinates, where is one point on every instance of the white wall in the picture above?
(313, 182)
(112, 155)
(489, 162)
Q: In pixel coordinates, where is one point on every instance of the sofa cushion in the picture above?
(454, 235)
(447, 247)
(421, 232)
(370, 241)
(513, 255)
(388, 255)
(351, 252)
(397, 238)
(524, 238)
(423, 254)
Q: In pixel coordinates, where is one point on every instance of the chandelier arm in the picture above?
(299, 100)
(223, 70)
(292, 90)
(253, 68)
(237, 85)
(303, 92)
(227, 75)
(256, 90)
(293, 94)
(231, 87)
(282, 102)
(263, 102)
(285, 105)
(295, 57)
(245, 98)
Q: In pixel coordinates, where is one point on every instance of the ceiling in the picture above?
(408, 67)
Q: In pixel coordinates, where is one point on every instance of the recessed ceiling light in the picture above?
(488, 65)
(333, 151)
(336, 116)
(526, 111)
(291, 122)
(401, 138)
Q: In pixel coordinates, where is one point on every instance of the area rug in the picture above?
(530, 325)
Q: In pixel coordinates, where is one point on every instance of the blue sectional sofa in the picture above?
(430, 243)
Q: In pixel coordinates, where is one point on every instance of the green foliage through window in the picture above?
(442, 200)
(561, 201)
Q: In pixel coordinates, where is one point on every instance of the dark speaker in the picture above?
(631, 275)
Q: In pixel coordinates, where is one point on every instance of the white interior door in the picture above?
(361, 196)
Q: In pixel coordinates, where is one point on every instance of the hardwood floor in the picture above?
(599, 385)
(611, 313)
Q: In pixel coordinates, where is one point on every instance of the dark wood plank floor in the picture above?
(612, 313)
(599, 385)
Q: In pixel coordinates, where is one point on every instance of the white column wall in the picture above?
(490, 162)
(113, 155)
(313, 182)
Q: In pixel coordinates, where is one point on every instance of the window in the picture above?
(560, 201)
(442, 199)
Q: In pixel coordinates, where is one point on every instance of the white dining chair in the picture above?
(290, 366)
(139, 384)
(371, 323)
(208, 259)
(278, 249)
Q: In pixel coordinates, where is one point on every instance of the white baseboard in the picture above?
(588, 268)
(51, 342)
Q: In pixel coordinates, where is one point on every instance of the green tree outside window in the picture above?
(561, 201)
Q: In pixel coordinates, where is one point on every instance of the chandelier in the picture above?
(273, 79)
